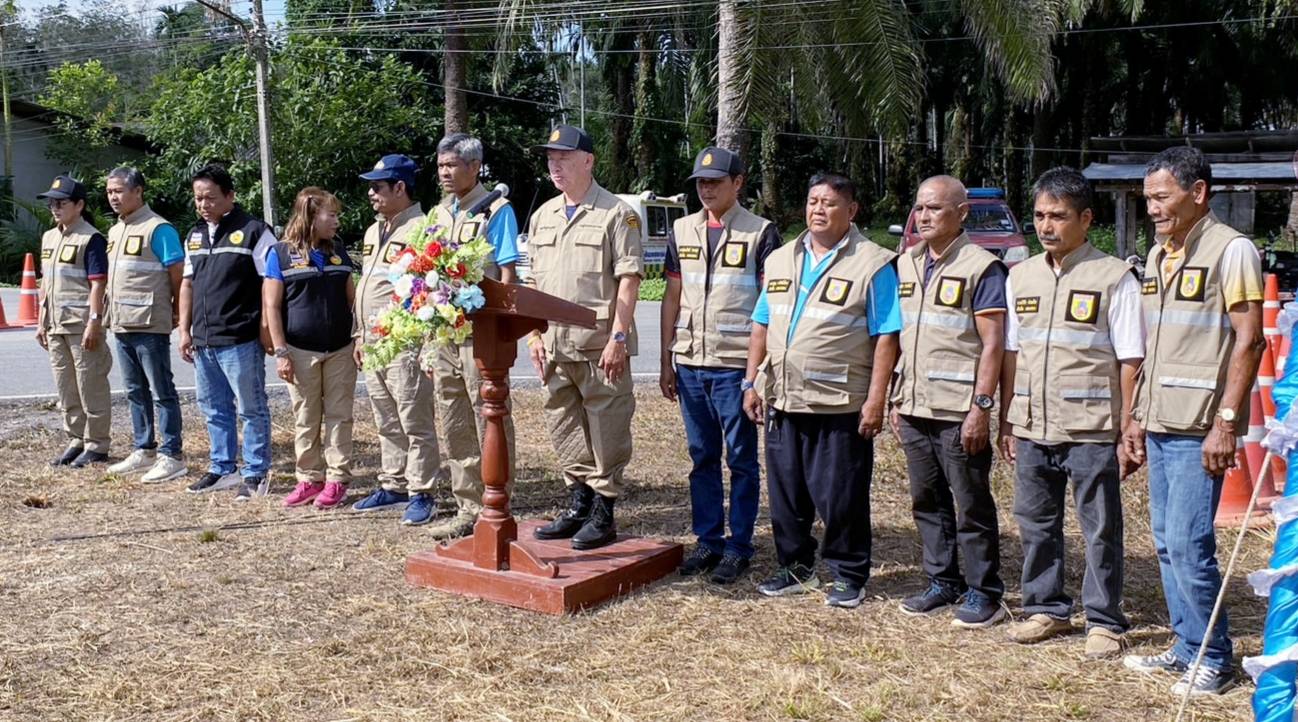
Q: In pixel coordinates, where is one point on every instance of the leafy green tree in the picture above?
(87, 98)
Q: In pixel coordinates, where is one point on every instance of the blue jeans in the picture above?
(145, 360)
(227, 375)
(1182, 503)
(712, 404)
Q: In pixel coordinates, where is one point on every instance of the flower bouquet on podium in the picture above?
(434, 289)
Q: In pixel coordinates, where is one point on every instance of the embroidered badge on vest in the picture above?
(1149, 287)
(735, 256)
(336, 260)
(1031, 304)
(1190, 287)
(469, 230)
(906, 289)
(689, 253)
(368, 250)
(836, 291)
(195, 241)
(47, 254)
(134, 245)
(111, 246)
(778, 285)
(1083, 306)
(393, 249)
(68, 253)
(950, 291)
(236, 238)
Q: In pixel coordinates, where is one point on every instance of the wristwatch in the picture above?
(95, 317)
(984, 402)
(746, 385)
(1227, 415)
(281, 352)
(619, 336)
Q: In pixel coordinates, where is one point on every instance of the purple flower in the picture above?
(417, 286)
(442, 294)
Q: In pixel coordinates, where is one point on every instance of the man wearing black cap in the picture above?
(400, 394)
(714, 265)
(74, 271)
(586, 248)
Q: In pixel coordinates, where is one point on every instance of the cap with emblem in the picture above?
(65, 187)
(568, 137)
(715, 162)
(393, 167)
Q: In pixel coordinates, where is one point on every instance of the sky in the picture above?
(274, 8)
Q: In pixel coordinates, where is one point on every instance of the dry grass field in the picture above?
(125, 602)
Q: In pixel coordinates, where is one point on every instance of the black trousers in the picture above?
(1041, 476)
(820, 464)
(951, 500)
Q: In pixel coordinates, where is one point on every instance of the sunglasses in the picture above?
(56, 203)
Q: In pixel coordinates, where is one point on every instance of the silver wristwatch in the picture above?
(281, 352)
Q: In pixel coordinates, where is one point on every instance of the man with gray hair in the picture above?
(145, 263)
(1203, 300)
(468, 212)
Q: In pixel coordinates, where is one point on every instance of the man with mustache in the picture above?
(1073, 345)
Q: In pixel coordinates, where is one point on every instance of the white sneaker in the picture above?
(139, 459)
(165, 468)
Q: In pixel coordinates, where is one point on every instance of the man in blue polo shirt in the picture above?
(820, 360)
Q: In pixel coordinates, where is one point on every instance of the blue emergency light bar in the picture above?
(986, 193)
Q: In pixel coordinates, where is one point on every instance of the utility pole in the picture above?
(256, 37)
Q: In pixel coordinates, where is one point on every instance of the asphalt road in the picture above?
(26, 371)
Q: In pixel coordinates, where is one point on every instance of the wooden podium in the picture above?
(497, 563)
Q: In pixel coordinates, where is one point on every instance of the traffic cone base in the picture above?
(1235, 494)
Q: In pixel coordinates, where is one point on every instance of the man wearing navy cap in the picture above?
(586, 248)
(714, 265)
(74, 272)
(400, 394)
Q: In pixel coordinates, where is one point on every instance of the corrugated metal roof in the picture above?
(1237, 173)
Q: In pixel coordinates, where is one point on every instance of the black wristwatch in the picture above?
(984, 402)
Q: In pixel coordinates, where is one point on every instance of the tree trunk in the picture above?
(457, 106)
(618, 70)
(645, 108)
(771, 174)
(730, 122)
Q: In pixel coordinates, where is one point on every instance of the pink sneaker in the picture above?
(334, 493)
(303, 493)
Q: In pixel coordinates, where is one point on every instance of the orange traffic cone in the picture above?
(1271, 312)
(1236, 493)
(27, 302)
(1265, 382)
(1253, 450)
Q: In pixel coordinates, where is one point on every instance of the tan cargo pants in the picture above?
(322, 392)
(459, 404)
(402, 399)
(81, 378)
(590, 423)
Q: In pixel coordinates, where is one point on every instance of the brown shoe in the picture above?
(1039, 628)
(457, 526)
(1103, 643)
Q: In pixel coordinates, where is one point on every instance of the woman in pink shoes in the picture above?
(307, 301)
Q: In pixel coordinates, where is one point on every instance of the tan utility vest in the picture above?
(139, 286)
(66, 306)
(578, 260)
(374, 292)
(718, 292)
(1066, 382)
(825, 367)
(1188, 337)
(463, 228)
(940, 346)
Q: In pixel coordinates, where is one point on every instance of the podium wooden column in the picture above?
(502, 562)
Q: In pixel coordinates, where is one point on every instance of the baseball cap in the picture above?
(65, 187)
(713, 162)
(568, 137)
(395, 167)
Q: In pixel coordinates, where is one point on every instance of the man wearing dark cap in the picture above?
(400, 394)
(714, 265)
(74, 272)
(586, 248)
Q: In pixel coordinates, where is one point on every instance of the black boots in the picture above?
(571, 519)
(599, 529)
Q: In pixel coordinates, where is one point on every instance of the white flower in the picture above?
(426, 312)
(402, 286)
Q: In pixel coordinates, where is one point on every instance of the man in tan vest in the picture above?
(953, 310)
(821, 355)
(468, 211)
(145, 266)
(585, 247)
(1203, 303)
(1073, 344)
(401, 394)
(74, 271)
(714, 265)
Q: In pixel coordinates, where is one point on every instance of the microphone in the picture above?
(484, 206)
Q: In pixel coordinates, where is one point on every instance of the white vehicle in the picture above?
(656, 218)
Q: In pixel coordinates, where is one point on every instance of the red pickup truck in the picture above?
(991, 224)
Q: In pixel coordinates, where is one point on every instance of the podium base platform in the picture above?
(584, 579)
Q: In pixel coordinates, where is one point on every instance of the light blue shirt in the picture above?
(882, 304)
(502, 232)
(165, 244)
